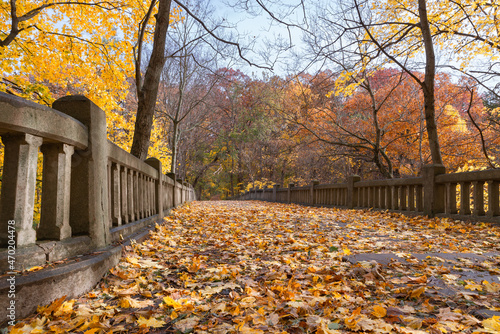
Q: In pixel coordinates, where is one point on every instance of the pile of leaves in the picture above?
(254, 267)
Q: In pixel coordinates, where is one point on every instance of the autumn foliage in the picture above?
(250, 267)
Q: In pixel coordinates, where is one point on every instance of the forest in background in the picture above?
(363, 111)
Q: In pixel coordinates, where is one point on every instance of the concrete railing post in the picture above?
(289, 193)
(352, 192)
(156, 164)
(89, 190)
(181, 197)
(172, 176)
(433, 193)
(275, 189)
(313, 199)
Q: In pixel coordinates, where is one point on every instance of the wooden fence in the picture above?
(93, 192)
(464, 196)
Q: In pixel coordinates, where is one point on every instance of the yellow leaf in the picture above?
(247, 302)
(35, 268)
(379, 311)
(473, 287)
(128, 302)
(151, 322)
(491, 287)
(492, 323)
(66, 308)
(417, 292)
(170, 302)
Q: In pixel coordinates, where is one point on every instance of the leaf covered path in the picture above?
(255, 267)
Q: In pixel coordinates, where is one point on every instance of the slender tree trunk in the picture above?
(174, 147)
(148, 92)
(428, 85)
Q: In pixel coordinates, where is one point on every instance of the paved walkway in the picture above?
(254, 267)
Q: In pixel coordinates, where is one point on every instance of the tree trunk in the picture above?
(428, 85)
(149, 90)
(174, 147)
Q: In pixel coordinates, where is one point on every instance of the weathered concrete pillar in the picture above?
(402, 198)
(186, 191)
(395, 198)
(116, 195)
(275, 189)
(150, 196)
(135, 178)
(110, 194)
(388, 198)
(451, 198)
(147, 196)
(312, 198)
(158, 187)
(181, 193)
(419, 198)
(411, 198)
(56, 182)
(433, 193)
(352, 192)
(479, 198)
(493, 209)
(18, 188)
(130, 186)
(382, 197)
(89, 192)
(465, 198)
(141, 196)
(172, 176)
(124, 193)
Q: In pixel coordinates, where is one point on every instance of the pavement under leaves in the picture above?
(256, 267)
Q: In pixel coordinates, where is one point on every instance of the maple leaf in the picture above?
(492, 325)
(128, 302)
(150, 322)
(188, 324)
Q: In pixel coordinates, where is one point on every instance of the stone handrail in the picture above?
(93, 192)
(470, 183)
(434, 194)
(19, 116)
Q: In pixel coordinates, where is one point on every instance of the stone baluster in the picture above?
(124, 194)
(493, 209)
(56, 187)
(18, 187)
(479, 198)
(465, 198)
(117, 207)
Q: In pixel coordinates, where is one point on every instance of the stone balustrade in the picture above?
(93, 192)
(465, 196)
